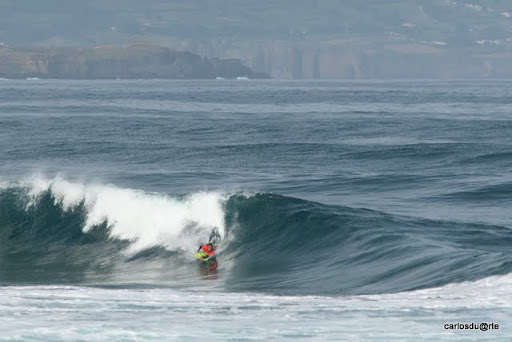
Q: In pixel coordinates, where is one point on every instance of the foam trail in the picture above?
(148, 219)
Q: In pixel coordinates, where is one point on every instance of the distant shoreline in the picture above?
(129, 61)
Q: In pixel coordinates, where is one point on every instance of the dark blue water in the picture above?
(317, 187)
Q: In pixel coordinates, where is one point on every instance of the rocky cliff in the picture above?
(136, 60)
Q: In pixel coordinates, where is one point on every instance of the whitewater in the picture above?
(347, 210)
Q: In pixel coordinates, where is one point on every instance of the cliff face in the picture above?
(138, 60)
(356, 60)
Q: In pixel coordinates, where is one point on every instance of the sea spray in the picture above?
(146, 219)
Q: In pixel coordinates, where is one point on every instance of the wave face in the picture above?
(55, 231)
(291, 245)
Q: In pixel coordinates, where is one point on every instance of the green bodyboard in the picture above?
(201, 255)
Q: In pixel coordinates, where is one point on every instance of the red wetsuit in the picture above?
(205, 249)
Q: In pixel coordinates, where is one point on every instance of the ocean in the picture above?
(347, 210)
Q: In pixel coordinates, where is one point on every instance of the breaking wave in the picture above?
(57, 231)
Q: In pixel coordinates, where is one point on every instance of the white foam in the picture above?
(97, 314)
(489, 292)
(148, 219)
(4, 184)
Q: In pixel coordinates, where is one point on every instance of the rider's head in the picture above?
(210, 246)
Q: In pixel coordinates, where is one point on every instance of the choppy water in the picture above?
(350, 211)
